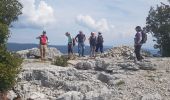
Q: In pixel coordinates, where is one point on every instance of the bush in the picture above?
(61, 61)
(10, 66)
(121, 82)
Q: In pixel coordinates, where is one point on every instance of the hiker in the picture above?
(99, 44)
(71, 43)
(137, 43)
(92, 41)
(80, 38)
(43, 44)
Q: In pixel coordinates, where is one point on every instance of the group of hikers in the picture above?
(96, 43)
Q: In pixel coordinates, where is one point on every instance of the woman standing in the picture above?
(70, 45)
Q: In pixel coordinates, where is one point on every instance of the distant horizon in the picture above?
(107, 46)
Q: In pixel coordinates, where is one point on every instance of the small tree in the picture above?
(9, 12)
(158, 22)
(9, 63)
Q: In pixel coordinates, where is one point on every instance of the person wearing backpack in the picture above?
(138, 41)
(43, 44)
(92, 41)
(70, 45)
(80, 38)
(99, 44)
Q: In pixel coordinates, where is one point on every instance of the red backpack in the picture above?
(43, 39)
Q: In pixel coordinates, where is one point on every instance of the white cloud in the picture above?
(93, 25)
(40, 15)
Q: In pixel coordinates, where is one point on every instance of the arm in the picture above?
(76, 38)
(84, 38)
(47, 38)
(89, 39)
(38, 37)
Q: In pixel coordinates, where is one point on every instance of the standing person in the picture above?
(100, 41)
(137, 42)
(92, 41)
(70, 45)
(80, 38)
(43, 44)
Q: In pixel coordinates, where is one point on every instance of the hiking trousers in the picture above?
(70, 48)
(81, 48)
(137, 52)
(92, 50)
(99, 46)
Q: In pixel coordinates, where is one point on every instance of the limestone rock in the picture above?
(35, 53)
(85, 65)
(71, 95)
(114, 76)
(155, 96)
(103, 94)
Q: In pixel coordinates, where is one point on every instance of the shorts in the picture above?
(43, 47)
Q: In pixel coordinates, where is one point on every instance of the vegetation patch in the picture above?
(61, 61)
(121, 82)
(10, 66)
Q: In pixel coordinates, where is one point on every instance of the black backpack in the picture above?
(144, 37)
(99, 39)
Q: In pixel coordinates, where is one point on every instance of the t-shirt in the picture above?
(69, 39)
(80, 38)
(138, 38)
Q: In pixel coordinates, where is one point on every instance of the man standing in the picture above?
(80, 38)
(138, 44)
(100, 41)
(43, 44)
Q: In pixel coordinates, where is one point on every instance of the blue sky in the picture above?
(116, 19)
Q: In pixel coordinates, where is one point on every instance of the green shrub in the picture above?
(61, 61)
(10, 66)
(121, 82)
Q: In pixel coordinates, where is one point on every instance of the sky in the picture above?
(116, 19)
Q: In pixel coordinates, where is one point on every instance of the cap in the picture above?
(138, 28)
(44, 32)
(99, 33)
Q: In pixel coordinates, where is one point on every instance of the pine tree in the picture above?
(158, 22)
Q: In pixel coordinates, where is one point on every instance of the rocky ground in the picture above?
(111, 76)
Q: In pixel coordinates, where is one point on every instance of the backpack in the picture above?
(43, 39)
(144, 37)
(100, 39)
(74, 42)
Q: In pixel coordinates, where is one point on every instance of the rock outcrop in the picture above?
(123, 52)
(51, 53)
(102, 78)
